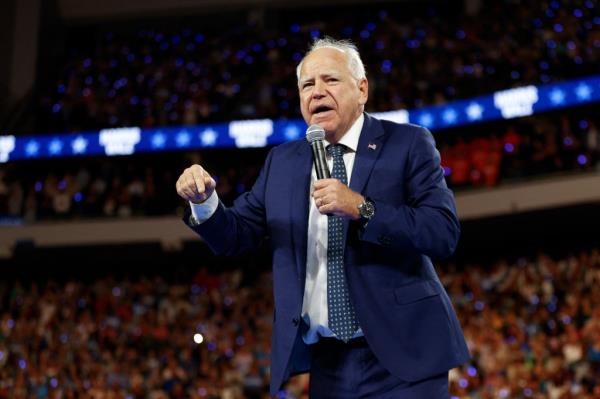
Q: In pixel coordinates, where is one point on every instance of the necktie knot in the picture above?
(335, 150)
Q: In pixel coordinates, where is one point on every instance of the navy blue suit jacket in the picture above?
(402, 308)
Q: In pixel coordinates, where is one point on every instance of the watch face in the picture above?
(367, 209)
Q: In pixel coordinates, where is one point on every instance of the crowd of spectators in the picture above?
(224, 67)
(144, 184)
(532, 325)
(522, 148)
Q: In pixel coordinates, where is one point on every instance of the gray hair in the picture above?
(355, 64)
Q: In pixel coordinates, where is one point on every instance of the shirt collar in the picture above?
(350, 138)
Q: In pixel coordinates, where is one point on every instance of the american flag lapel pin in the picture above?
(372, 146)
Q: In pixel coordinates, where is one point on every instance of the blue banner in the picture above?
(506, 104)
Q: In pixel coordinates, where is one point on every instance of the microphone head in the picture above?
(314, 133)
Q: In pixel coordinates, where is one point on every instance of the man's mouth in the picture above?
(321, 110)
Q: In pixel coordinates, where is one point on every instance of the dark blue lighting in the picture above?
(295, 28)
(413, 43)
(386, 66)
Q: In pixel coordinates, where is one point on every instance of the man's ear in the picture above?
(363, 87)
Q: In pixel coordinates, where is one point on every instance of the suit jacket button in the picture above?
(295, 321)
(384, 240)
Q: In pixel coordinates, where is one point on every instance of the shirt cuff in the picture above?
(202, 212)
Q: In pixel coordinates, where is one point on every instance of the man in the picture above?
(357, 300)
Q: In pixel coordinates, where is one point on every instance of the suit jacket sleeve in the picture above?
(427, 222)
(230, 231)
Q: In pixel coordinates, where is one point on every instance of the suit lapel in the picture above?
(301, 171)
(369, 147)
(370, 144)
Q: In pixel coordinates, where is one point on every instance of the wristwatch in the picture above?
(366, 211)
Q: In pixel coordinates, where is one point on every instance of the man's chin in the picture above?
(326, 124)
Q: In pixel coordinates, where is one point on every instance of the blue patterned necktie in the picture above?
(342, 319)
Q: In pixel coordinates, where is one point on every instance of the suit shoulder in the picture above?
(404, 132)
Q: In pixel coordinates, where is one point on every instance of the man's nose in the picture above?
(318, 89)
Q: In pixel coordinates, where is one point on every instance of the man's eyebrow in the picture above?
(305, 80)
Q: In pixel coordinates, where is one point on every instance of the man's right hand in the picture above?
(195, 184)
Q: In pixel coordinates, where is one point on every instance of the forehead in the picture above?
(324, 60)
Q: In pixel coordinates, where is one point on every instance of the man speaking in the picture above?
(357, 301)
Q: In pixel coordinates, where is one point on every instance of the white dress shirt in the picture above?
(314, 304)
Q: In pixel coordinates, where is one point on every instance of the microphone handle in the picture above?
(320, 160)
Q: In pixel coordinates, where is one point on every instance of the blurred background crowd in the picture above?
(531, 323)
(417, 53)
(157, 324)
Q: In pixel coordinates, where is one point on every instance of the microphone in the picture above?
(315, 135)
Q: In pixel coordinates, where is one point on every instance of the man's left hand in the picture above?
(333, 197)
